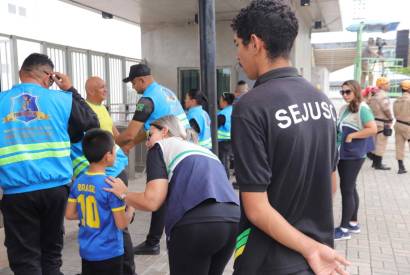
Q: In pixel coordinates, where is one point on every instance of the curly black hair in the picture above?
(273, 21)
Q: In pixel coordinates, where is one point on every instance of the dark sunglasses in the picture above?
(149, 134)
(50, 78)
(347, 92)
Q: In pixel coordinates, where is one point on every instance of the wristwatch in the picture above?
(123, 195)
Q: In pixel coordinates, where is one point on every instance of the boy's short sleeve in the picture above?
(72, 197)
(115, 203)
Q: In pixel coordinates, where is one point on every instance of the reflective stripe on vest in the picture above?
(22, 152)
(206, 143)
(223, 135)
(81, 164)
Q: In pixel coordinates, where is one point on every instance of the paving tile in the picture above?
(383, 246)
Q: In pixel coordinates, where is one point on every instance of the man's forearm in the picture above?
(132, 132)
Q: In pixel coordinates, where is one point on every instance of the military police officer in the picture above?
(381, 108)
(401, 109)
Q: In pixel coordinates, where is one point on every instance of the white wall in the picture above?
(301, 54)
(66, 24)
(170, 46)
(320, 79)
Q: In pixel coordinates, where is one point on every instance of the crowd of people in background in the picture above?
(61, 155)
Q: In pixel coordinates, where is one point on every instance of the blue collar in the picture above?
(196, 107)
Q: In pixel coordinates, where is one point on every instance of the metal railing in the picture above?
(78, 63)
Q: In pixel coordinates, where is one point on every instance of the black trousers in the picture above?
(113, 266)
(201, 248)
(33, 224)
(128, 259)
(348, 171)
(156, 227)
(225, 154)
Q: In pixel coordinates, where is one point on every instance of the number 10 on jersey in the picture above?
(89, 211)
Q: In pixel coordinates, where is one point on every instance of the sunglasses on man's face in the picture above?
(50, 78)
(345, 92)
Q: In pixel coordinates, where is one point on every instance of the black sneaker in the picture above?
(381, 167)
(146, 249)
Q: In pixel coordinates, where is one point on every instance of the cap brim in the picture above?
(127, 79)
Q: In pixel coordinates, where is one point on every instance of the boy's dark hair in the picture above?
(35, 60)
(97, 143)
(241, 82)
(198, 96)
(273, 21)
(228, 97)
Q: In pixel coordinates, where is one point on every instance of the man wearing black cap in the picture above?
(156, 101)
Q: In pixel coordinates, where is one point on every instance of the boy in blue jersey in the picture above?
(102, 215)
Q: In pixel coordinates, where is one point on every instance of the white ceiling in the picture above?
(161, 11)
(183, 11)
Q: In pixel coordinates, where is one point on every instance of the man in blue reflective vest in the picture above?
(36, 128)
(156, 101)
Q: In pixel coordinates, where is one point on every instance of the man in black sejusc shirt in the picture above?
(285, 180)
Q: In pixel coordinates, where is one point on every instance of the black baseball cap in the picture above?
(136, 71)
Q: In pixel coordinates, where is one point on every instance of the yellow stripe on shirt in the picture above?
(121, 208)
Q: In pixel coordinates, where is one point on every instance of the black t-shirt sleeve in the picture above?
(194, 125)
(252, 168)
(143, 110)
(156, 168)
(221, 120)
(82, 117)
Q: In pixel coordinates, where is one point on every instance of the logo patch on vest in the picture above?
(25, 109)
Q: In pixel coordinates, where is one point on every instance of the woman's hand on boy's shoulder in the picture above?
(118, 188)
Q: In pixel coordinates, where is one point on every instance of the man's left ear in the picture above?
(256, 42)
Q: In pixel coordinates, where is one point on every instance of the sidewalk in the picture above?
(383, 246)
